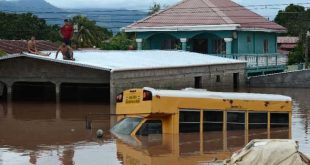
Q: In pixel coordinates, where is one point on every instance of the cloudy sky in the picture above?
(144, 4)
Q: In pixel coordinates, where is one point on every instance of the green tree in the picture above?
(23, 26)
(121, 41)
(2, 53)
(295, 18)
(89, 34)
(154, 9)
(297, 55)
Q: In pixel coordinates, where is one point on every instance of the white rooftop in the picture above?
(199, 93)
(136, 60)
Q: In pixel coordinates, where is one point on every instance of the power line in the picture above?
(263, 6)
(172, 11)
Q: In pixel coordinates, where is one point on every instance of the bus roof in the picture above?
(200, 93)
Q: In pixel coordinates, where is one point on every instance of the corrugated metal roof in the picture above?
(134, 60)
(18, 46)
(207, 12)
(288, 46)
(287, 40)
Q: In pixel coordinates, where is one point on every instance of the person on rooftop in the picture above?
(66, 32)
(32, 47)
(67, 52)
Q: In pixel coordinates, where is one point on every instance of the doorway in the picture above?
(198, 82)
(236, 80)
(200, 46)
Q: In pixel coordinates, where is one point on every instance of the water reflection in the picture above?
(301, 113)
(189, 149)
(50, 134)
(42, 132)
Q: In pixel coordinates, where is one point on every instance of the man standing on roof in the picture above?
(32, 47)
(66, 32)
(67, 52)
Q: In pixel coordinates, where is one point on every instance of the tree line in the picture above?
(296, 19)
(23, 26)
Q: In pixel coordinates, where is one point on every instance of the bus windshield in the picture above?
(126, 126)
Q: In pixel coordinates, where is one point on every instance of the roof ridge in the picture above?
(218, 12)
(150, 16)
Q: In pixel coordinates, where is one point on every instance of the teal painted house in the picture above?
(218, 27)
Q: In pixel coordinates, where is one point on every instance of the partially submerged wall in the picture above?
(208, 77)
(296, 79)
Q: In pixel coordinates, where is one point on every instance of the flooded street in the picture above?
(49, 134)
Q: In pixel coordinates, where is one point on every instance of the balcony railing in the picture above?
(259, 60)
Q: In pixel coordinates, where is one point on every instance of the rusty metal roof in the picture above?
(287, 40)
(193, 13)
(18, 46)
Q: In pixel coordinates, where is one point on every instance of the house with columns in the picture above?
(216, 27)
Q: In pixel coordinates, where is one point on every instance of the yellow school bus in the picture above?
(147, 111)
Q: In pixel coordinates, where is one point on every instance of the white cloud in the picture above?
(109, 4)
(145, 4)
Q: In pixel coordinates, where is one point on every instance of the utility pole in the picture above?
(307, 49)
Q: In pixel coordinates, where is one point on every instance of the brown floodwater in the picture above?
(50, 134)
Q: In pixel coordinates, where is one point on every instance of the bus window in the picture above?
(258, 123)
(279, 120)
(212, 121)
(258, 120)
(235, 129)
(127, 125)
(235, 120)
(150, 127)
(189, 121)
(279, 125)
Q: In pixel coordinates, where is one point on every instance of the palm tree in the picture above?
(154, 9)
(88, 33)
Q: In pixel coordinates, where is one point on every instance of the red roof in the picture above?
(288, 46)
(18, 46)
(288, 40)
(207, 12)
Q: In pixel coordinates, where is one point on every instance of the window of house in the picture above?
(219, 46)
(218, 78)
(266, 46)
(169, 44)
(198, 82)
(235, 120)
(189, 121)
(249, 39)
(150, 127)
(212, 121)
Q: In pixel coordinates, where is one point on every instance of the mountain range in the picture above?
(113, 19)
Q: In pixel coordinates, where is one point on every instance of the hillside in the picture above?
(109, 18)
(27, 5)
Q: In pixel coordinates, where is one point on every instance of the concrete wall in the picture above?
(177, 78)
(153, 40)
(33, 70)
(25, 69)
(297, 79)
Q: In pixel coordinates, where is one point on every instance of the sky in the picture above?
(145, 4)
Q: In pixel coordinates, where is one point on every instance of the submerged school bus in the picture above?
(151, 111)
